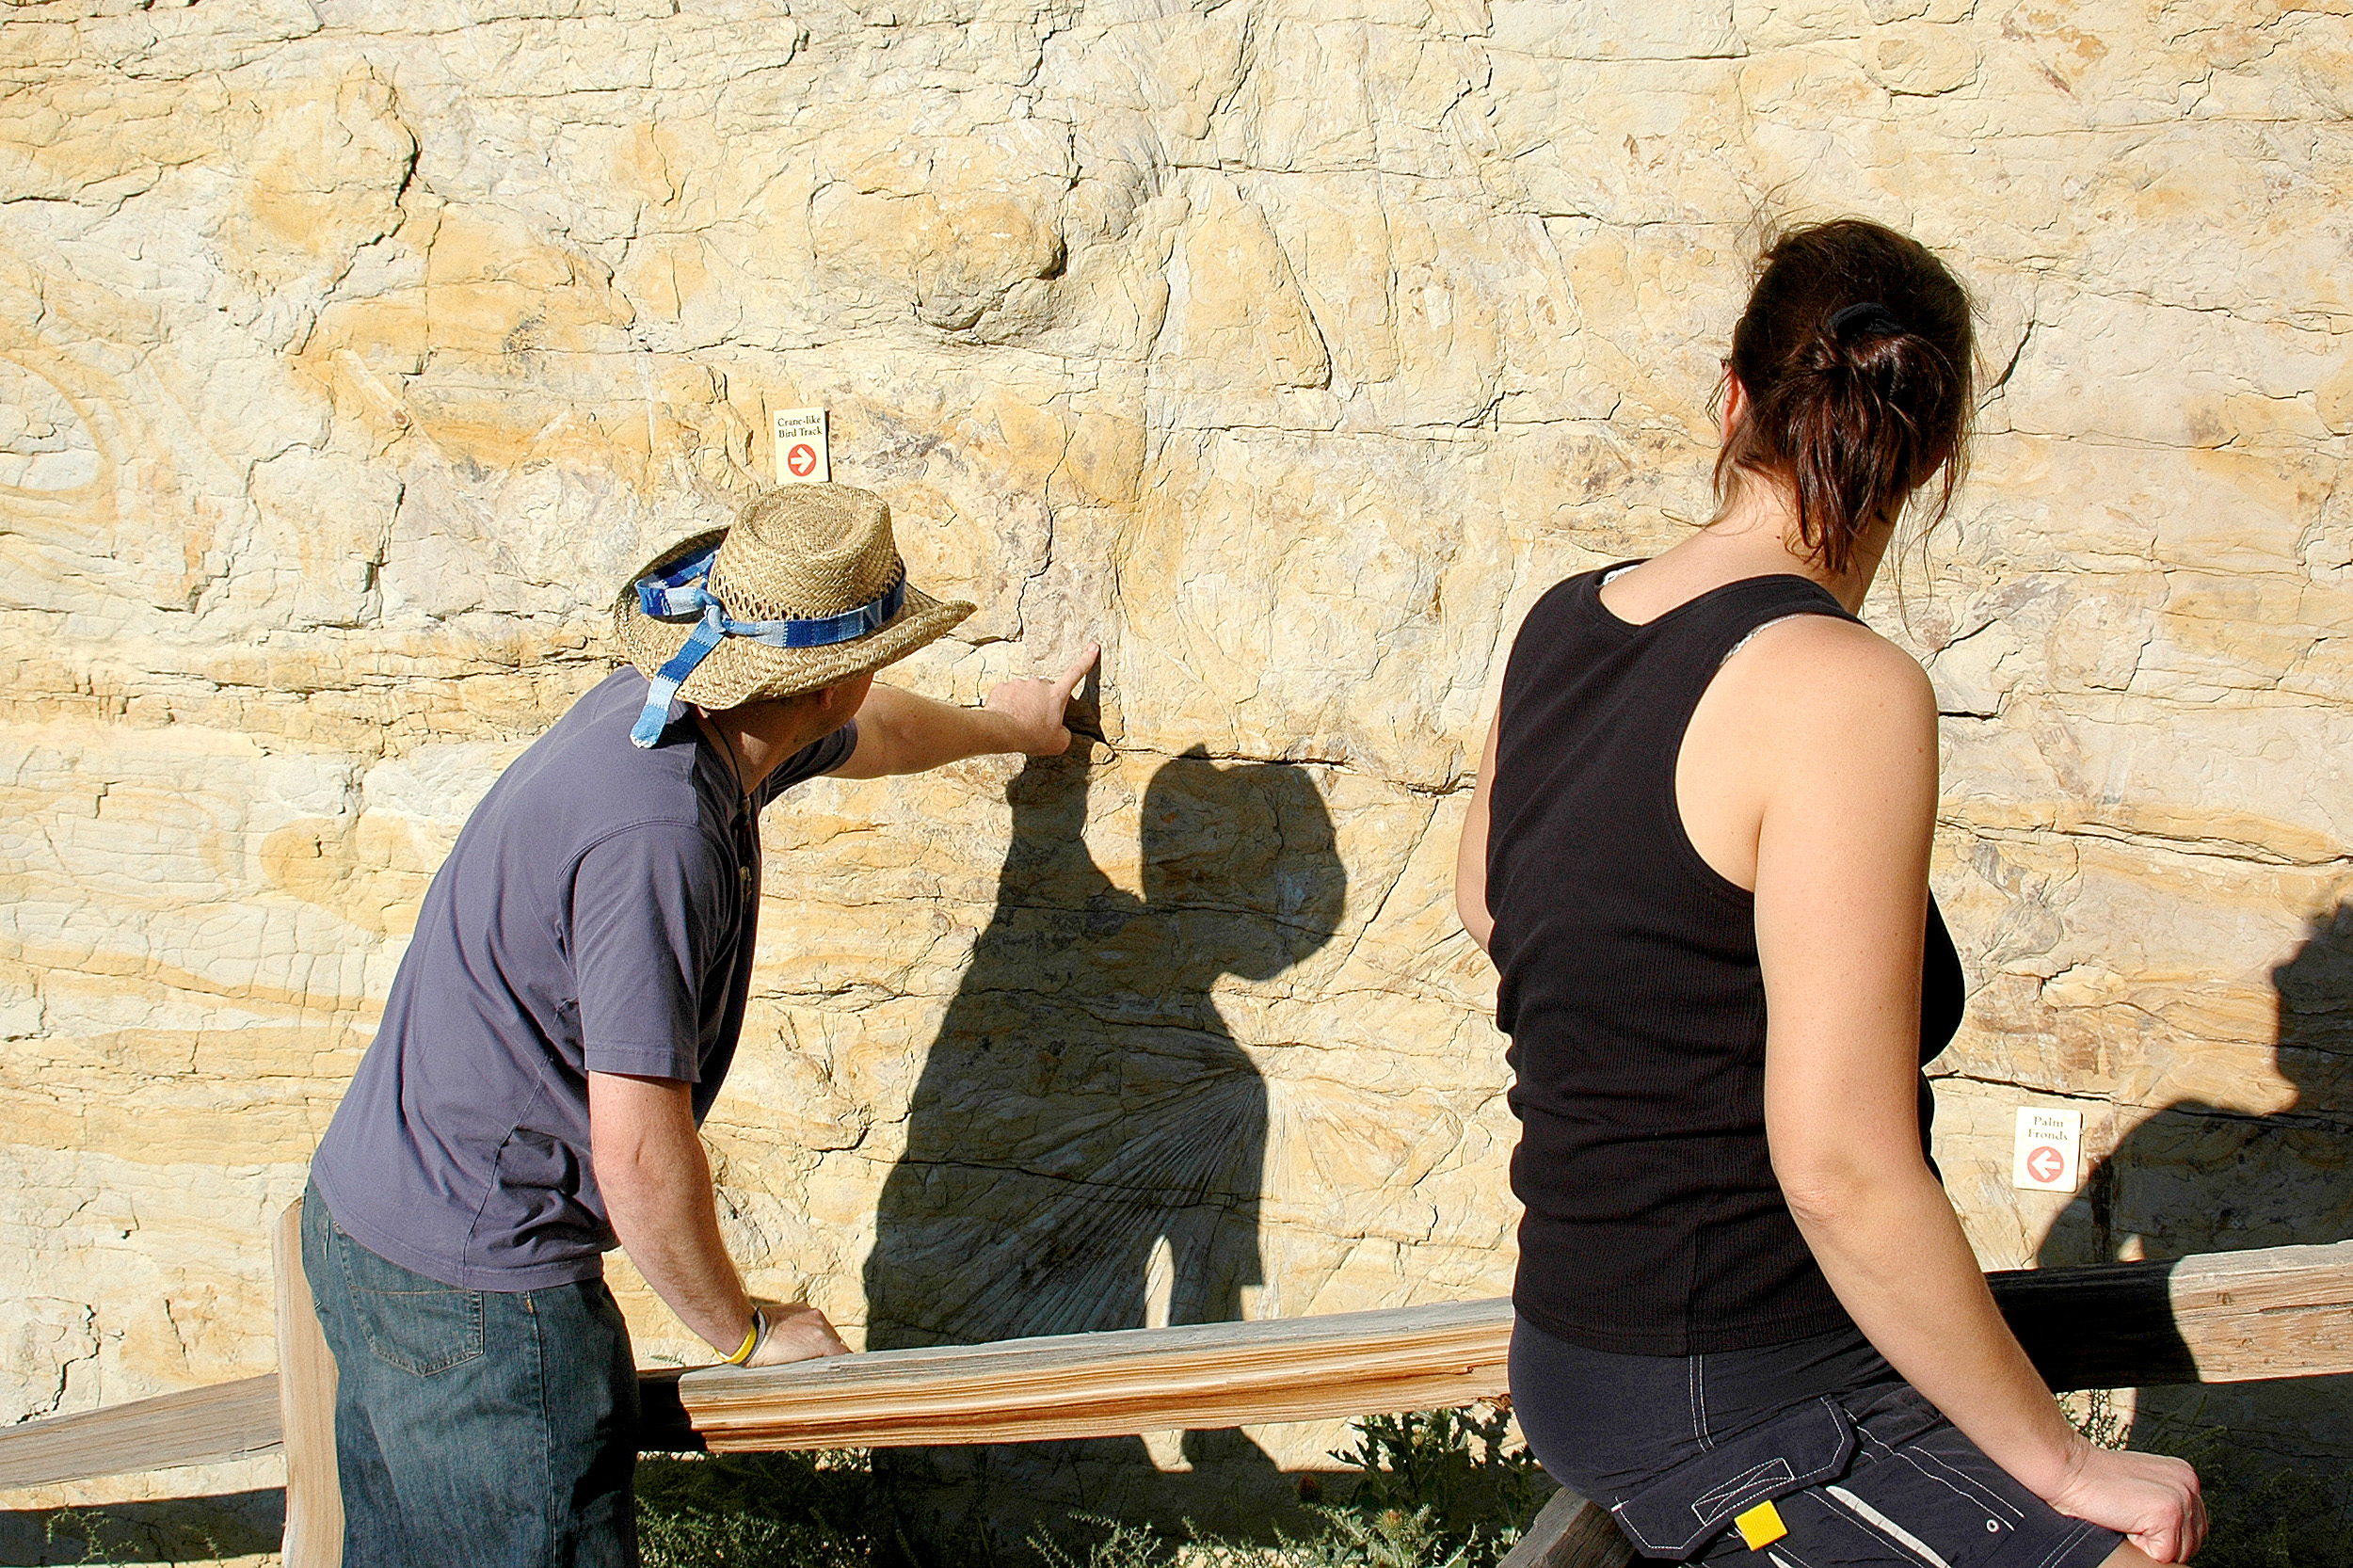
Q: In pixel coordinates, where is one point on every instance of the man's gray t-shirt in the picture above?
(596, 914)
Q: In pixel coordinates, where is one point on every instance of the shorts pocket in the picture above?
(1683, 1510)
(412, 1322)
(1934, 1494)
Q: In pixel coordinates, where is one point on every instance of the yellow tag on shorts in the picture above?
(1760, 1526)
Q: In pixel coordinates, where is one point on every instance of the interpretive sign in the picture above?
(801, 455)
(2048, 1155)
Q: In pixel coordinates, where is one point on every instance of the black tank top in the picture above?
(1631, 992)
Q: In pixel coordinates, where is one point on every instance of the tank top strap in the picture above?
(1678, 654)
(1703, 631)
(1681, 648)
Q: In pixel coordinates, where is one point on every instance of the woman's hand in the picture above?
(2152, 1499)
(796, 1332)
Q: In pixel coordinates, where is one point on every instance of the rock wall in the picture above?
(349, 353)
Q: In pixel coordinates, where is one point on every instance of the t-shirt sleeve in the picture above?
(649, 913)
(819, 756)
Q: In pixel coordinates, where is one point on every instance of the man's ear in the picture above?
(842, 700)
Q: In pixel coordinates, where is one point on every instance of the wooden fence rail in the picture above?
(2216, 1318)
(2226, 1317)
(228, 1421)
(1200, 1377)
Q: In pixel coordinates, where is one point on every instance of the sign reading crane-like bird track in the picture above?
(801, 455)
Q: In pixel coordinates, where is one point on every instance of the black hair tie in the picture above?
(1868, 318)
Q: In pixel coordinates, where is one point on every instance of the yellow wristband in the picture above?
(751, 1339)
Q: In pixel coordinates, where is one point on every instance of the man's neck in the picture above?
(757, 737)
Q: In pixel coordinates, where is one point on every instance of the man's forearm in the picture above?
(656, 1183)
(674, 1241)
(900, 732)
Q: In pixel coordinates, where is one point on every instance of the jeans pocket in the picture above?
(412, 1322)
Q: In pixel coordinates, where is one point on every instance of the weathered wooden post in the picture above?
(306, 1405)
(1570, 1532)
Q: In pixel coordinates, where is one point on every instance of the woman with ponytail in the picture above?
(1698, 852)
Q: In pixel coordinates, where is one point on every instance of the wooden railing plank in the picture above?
(2107, 1327)
(2216, 1318)
(228, 1421)
(2212, 1318)
(2277, 1312)
(1199, 1376)
(1570, 1532)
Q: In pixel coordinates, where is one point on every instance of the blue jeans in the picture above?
(478, 1427)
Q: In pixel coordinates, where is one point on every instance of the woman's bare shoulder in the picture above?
(1816, 677)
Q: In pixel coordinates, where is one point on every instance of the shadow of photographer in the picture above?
(2196, 1178)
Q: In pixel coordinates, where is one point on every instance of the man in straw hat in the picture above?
(563, 1018)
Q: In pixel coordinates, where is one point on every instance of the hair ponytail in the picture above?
(1855, 356)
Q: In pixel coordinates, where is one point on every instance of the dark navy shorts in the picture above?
(1817, 1445)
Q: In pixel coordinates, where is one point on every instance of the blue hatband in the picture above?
(683, 590)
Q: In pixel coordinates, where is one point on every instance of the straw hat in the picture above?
(799, 554)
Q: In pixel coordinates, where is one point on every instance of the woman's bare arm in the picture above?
(1470, 852)
(1848, 767)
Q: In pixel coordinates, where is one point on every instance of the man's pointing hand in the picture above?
(1038, 710)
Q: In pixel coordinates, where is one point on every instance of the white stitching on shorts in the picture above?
(1698, 1385)
(2067, 1543)
(1772, 1472)
(1964, 1482)
(1895, 1532)
(1701, 1363)
(1889, 1453)
(1633, 1532)
(1956, 1481)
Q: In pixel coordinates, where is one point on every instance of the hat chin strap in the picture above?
(683, 589)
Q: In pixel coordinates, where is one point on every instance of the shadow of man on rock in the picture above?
(1086, 1141)
(2197, 1178)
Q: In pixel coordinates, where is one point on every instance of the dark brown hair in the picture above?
(1855, 352)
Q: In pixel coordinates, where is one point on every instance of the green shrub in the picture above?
(756, 1510)
(1344, 1540)
(1431, 1489)
(2262, 1512)
(2265, 1511)
(1451, 1468)
(161, 1532)
(2281, 1518)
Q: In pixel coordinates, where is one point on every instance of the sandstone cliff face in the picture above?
(349, 353)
